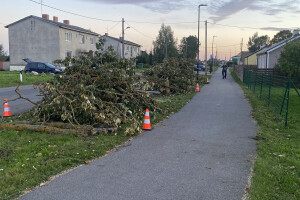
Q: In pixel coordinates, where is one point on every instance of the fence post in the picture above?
(270, 83)
(261, 85)
(21, 77)
(250, 79)
(255, 82)
(283, 99)
(288, 100)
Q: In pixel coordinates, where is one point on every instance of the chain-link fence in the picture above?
(276, 90)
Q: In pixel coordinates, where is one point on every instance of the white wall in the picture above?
(74, 45)
(35, 39)
(261, 61)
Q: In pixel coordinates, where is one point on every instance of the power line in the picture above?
(145, 22)
(94, 18)
(140, 31)
(114, 26)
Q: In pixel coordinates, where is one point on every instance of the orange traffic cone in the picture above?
(147, 125)
(7, 112)
(207, 81)
(197, 88)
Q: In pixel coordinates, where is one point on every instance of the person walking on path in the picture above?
(224, 70)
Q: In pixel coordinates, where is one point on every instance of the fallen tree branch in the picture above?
(82, 131)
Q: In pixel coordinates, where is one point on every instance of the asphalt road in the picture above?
(19, 105)
(202, 152)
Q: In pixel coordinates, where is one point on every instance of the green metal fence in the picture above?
(272, 88)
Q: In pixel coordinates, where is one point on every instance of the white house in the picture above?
(44, 40)
(268, 58)
(131, 49)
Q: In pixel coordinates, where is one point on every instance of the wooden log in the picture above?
(82, 131)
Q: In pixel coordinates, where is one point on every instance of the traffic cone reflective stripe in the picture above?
(147, 125)
(7, 112)
(207, 81)
(197, 88)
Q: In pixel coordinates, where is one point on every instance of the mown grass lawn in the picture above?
(30, 158)
(277, 166)
(12, 78)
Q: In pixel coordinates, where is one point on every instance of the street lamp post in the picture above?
(198, 55)
(212, 51)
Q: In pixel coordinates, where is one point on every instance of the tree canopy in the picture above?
(2, 53)
(289, 60)
(165, 44)
(188, 47)
(282, 35)
(255, 42)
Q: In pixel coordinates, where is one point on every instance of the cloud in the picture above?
(162, 6)
(231, 7)
(271, 7)
(274, 29)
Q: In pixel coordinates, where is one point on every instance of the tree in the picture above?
(165, 44)
(2, 53)
(282, 35)
(289, 60)
(188, 47)
(255, 42)
(143, 58)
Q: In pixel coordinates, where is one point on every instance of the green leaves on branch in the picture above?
(173, 76)
(290, 60)
(97, 93)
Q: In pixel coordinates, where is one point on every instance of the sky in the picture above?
(230, 21)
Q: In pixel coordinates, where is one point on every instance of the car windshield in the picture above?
(50, 65)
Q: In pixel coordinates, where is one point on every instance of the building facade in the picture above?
(268, 58)
(131, 50)
(252, 58)
(45, 40)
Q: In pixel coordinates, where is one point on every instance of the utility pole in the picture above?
(241, 51)
(123, 33)
(212, 46)
(41, 7)
(198, 55)
(206, 47)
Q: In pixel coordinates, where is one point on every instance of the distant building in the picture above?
(240, 58)
(268, 58)
(44, 40)
(131, 49)
(251, 59)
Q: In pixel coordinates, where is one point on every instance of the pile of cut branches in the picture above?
(173, 76)
(96, 93)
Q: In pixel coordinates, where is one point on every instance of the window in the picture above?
(41, 66)
(92, 40)
(68, 53)
(68, 36)
(127, 48)
(81, 39)
(33, 25)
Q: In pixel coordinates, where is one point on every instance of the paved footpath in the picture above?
(19, 106)
(201, 152)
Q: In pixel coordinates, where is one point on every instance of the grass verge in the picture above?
(277, 166)
(12, 78)
(30, 158)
